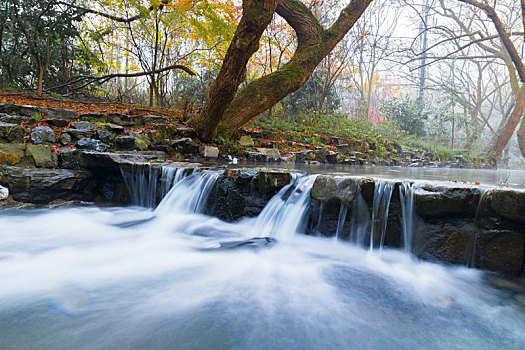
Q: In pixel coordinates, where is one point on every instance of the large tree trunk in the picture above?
(257, 14)
(314, 43)
(508, 129)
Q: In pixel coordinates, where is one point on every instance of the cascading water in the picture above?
(285, 212)
(360, 222)
(141, 182)
(189, 194)
(90, 283)
(484, 192)
(406, 197)
(343, 211)
(382, 194)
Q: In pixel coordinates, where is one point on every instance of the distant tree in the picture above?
(36, 34)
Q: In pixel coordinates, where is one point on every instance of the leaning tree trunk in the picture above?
(521, 136)
(314, 43)
(508, 129)
(256, 16)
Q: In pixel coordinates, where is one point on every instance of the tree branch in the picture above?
(95, 12)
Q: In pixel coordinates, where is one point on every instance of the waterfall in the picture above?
(189, 194)
(406, 197)
(141, 182)
(381, 204)
(360, 221)
(171, 176)
(283, 215)
(484, 192)
(343, 210)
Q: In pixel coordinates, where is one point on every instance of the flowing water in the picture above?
(173, 278)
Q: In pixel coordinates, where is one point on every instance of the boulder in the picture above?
(209, 152)
(12, 153)
(111, 162)
(80, 133)
(4, 193)
(13, 119)
(92, 144)
(43, 134)
(246, 141)
(436, 200)
(65, 139)
(125, 142)
(105, 135)
(83, 125)
(142, 141)
(501, 251)
(509, 204)
(68, 158)
(120, 119)
(45, 185)
(335, 189)
(272, 153)
(451, 241)
(184, 146)
(43, 156)
(11, 132)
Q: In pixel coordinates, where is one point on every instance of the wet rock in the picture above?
(184, 146)
(43, 134)
(45, 185)
(92, 144)
(120, 119)
(117, 129)
(11, 132)
(142, 141)
(434, 200)
(246, 141)
(336, 189)
(332, 158)
(68, 158)
(125, 142)
(154, 119)
(450, 241)
(252, 243)
(320, 155)
(343, 148)
(110, 162)
(186, 132)
(244, 192)
(58, 114)
(300, 157)
(509, 204)
(105, 136)
(12, 153)
(209, 152)
(83, 125)
(65, 139)
(501, 251)
(256, 157)
(79, 134)
(13, 119)
(43, 156)
(272, 153)
(4, 193)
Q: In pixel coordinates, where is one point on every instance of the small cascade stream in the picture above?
(175, 278)
(382, 194)
(406, 197)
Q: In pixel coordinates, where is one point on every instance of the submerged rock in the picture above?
(252, 243)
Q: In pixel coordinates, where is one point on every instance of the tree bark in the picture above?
(314, 43)
(40, 80)
(257, 14)
(509, 127)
